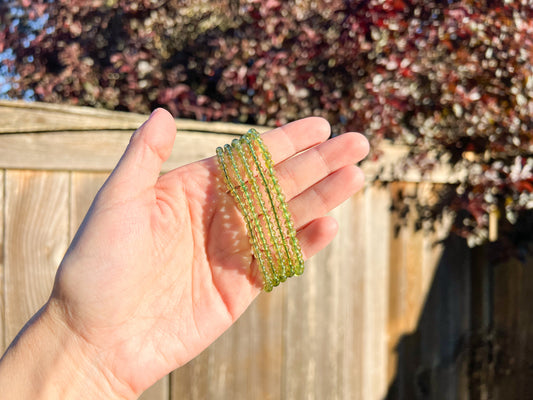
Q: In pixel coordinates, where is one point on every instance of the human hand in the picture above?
(161, 265)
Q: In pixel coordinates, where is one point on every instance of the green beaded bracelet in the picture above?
(253, 185)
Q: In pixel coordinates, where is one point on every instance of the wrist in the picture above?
(49, 361)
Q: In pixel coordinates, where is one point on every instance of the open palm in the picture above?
(161, 265)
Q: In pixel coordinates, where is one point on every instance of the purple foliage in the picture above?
(453, 79)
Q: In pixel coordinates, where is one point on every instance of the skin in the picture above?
(162, 265)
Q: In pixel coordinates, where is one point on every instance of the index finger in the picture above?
(288, 140)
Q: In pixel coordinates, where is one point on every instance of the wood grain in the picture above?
(36, 238)
(375, 285)
(513, 329)
(3, 326)
(349, 251)
(414, 322)
(94, 150)
(244, 363)
(375, 316)
(98, 150)
(432, 360)
(20, 117)
(311, 320)
(397, 321)
(158, 391)
(335, 314)
(195, 380)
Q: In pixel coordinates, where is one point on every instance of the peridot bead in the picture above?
(283, 260)
(297, 260)
(267, 284)
(255, 188)
(259, 199)
(249, 206)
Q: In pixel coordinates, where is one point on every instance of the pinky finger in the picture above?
(317, 235)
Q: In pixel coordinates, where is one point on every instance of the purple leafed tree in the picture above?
(453, 79)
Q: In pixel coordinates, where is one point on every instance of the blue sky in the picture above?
(33, 26)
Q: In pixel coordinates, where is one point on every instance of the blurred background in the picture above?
(449, 83)
(450, 78)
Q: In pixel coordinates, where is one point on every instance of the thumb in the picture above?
(149, 147)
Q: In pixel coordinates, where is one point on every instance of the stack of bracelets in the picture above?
(249, 175)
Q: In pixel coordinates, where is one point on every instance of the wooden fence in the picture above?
(381, 313)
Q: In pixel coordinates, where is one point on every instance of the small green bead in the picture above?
(278, 237)
(287, 260)
(257, 224)
(297, 261)
(253, 240)
(269, 166)
(251, 179)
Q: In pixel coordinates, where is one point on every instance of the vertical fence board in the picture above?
(433, 359)
(194, 380)
(350, 248)
(36, 237)
(405, 294)
(258, 349)
(375, 285)
(332, 347)
(244, 363)
(158, 391)
(312, 344)
(445, 325)
(432, 250)
(513, 330)
(3, 282)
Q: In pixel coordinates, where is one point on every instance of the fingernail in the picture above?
(153, 112)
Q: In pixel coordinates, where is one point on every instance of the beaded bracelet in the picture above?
(252, 183)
